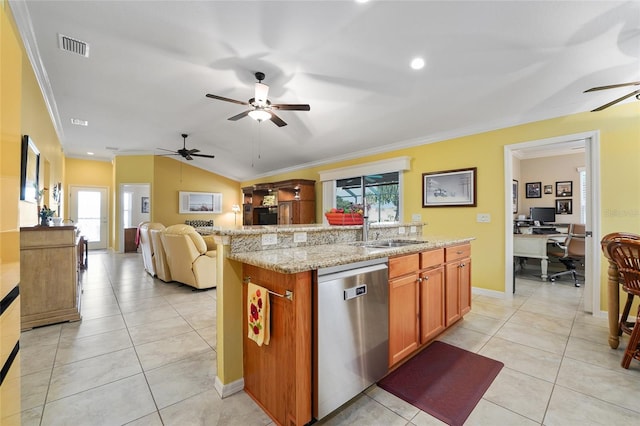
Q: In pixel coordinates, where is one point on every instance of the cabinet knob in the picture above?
(419, 280)
(462, 265)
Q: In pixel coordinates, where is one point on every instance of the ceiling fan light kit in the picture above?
(261, 108)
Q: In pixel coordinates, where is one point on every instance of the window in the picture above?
(127, 201)
(583, 194)
(380, 192)
(378, 183)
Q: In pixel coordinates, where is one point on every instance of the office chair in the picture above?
(570, 252)
(625, 253)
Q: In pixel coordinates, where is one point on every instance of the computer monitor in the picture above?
(543, 214)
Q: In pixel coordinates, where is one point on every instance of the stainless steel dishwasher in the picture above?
(351, 333)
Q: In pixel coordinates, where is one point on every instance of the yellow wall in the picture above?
(36, 122)
(10, 134)
(620, 182)
(172, 176)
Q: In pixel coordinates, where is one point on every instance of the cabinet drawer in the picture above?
(431, 258)
(457, 252)
(403, 265)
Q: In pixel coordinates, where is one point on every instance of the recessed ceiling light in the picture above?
(79, 122)
(89, 153)
(417, 63)
(361, 1)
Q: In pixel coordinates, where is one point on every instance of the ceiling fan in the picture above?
(260, 108)
(620, 99)
(187, 153)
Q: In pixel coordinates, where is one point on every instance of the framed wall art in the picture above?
(449, 188)
(29, 170)
(144, 205)
(514, 196)
(564, 189)
(564, 206)
(533, 190)
(548, 189)
(200, 202)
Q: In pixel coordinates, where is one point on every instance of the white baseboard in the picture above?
(489, 293)
(228, 389)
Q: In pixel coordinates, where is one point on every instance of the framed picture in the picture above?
(29, 170)
(200, 202)
(449, 188)
(514, 196)
(548, 189)
(533, 190)
(144, 205)
(564, 189)
(564, 206)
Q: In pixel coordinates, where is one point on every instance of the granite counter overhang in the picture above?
(309, 258)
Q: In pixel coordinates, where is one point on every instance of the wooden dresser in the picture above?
(49, 286)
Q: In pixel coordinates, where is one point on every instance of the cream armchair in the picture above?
(146, 245)
(159, 256)
(189, 260)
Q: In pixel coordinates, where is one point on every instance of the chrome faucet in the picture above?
(365, 228)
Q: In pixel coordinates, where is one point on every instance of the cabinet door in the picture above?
(432, 320)
(285, 213)
(452, 293)
(464, 278)
(403, 317)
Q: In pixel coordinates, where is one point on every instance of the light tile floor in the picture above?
(144, 354)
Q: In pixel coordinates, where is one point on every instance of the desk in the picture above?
(535, 246)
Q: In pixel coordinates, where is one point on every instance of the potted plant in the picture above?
(45, 214)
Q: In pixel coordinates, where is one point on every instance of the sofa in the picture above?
(146, 245)
(159, 256)
(190, 261)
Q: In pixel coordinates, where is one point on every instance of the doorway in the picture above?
(592, 216)
(88, 208)
(135, 208)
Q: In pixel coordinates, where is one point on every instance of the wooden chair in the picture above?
(624, 326)
(625, 253)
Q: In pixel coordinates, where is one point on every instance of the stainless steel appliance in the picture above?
(351, 333)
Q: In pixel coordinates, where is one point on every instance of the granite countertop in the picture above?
(301, 259)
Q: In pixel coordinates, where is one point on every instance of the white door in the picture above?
(89, 208)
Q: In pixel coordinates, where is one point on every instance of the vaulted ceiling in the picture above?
(488, 65)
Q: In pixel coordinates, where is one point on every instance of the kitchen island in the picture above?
(279, 376)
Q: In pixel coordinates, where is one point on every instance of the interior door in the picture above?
(88, 208)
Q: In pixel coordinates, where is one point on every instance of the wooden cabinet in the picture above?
(432, 295)
(458, 282)
(130, 240)
(428, 292)
(49, 287)
(279, 375)
(283, 203)
(404, 310)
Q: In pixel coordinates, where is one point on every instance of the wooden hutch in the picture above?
(286, 202)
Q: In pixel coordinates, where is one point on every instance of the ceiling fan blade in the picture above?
(277, 120)
(239, 116)
(188, 157)
(292, 107)
(203, 155)
(168, 150)
(193, 151)
(621, 98)
(613, 86)
(221, 98)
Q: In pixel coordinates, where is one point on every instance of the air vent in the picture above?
(69, 44)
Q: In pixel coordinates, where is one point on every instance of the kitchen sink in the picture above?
(388, 243)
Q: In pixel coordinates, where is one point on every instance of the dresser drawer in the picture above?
(402, 265)
(457, 252)
(431, 258)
